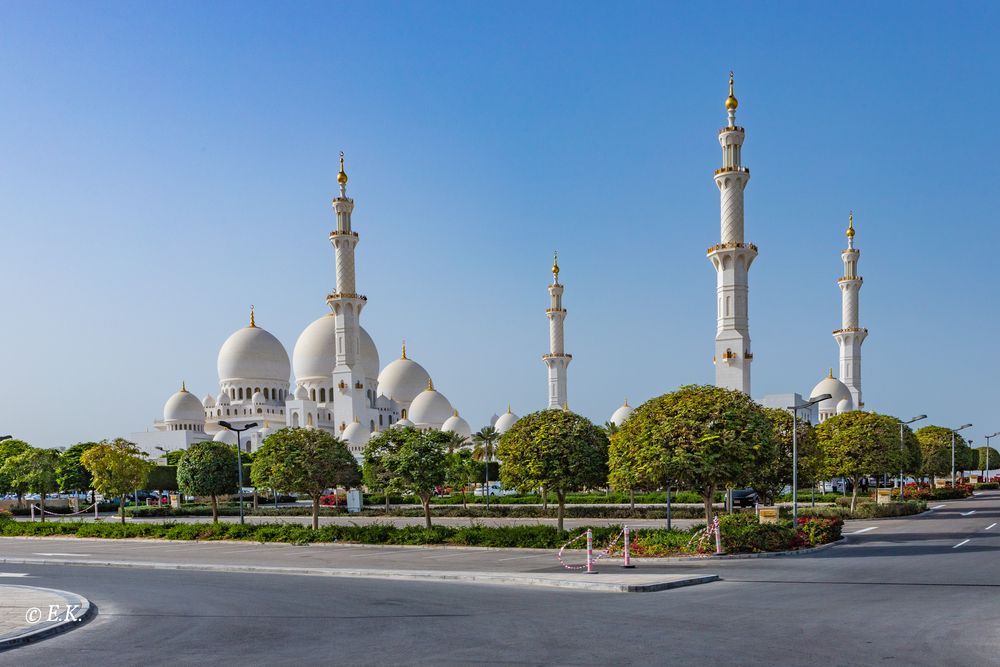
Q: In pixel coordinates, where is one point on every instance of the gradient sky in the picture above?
(163, 167)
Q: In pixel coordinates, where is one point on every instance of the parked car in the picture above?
(745, 498)
(494, 490)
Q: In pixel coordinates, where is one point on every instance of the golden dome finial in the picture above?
(430, 384)
(731, 102)
(555, 266)
(455, 413)
(404, 349)
(831, 373)
(253, 322)
(183, 386)
(850, 225)
(342, 176)
(626, 404)
(508, 408)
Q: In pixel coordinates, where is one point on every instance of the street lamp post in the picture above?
(953, 432)
(901, 451)
(5, 437)
(813, 400)
(239, 457)
(988, 453)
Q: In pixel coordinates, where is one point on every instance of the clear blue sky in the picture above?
(165, 166)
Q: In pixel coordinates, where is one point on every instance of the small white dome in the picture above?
(315, 352)
(355, 435)
(430, 408)
(208, 401)
(505, 421)
(252, 353)
(840, 396)
(257, 398)
(225, 436)
(403, 422)
(402, 380)
(457, 425)
(301, 393)
(621, 414)
(224, 398)
(183, 407)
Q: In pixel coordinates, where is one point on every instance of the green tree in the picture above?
(454, 442)
(555, 449)
(117, 467)
(208, 469)
(304, 460)
(34, 470)
(935, 450)
(462, 471)
(174, 456)
(699, 436)
(484, 443)
(912, 454)
(72, 476)
(9, 449)
(856, 444)
(774, 472)
(408, 460)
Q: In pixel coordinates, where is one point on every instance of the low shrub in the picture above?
(6, 516)
(819, 530)
(987, 486)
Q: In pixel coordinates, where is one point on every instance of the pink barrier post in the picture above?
(628, 556)
(97, 513)
(590, 552)
(32, 511)
(718, 537)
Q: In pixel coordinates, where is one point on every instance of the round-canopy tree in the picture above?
(71, 474)
(34, 470)
(699, 436)
(855, 444)
(117, 467)
(208, 469)
(407, 460)
(935, 450)
(555, 449)
(774, 472)
(9, 449)
(304, 460)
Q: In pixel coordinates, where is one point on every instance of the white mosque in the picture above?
(341, 387)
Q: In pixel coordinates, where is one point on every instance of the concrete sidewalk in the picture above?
(29, 613)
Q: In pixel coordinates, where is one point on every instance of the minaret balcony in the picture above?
(851, 330)
(334, 296)
(731, 246)
(848, 279)
(555, 310)
(727, 170)
(732, 128)
(557, 356)
(338, 232)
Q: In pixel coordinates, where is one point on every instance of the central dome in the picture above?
(430, 408)
(840, 396)
(315, 352)
(402, 380)
(184, 407)
(252, 353)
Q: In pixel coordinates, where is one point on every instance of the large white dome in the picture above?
(356, 437)
(403, 423)
(457, 425)
(183, 406)
(621, 414)
(252, 353)
(430, 408)
(402, 380)
(505, 421)
(840, 396)
(225, 436)
(315, 352)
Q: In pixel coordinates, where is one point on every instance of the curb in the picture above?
(87, 612)
(401, 575)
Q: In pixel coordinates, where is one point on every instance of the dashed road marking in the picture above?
(937, 507)
(967, 513)
(990, 526)
(13, 574)
(863, 530)
(57, 553)
(529, 556)
(960, 544)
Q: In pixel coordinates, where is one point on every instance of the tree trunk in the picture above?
(215, 509)
(425, 500)
(465, 504)
(387, 502)
(561, 497)
(854, 492)
(20, 500)
(545, 499)
(631, 498)
(255, 498)
(707, 496)
(122, 509)
(315, 500)
(41, 504)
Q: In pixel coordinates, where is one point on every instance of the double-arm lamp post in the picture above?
(902, 450)
(992, 435)
(953, 432)
(813, 400)
(239, 456)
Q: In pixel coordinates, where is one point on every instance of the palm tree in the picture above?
(455, 442)
(485, 440)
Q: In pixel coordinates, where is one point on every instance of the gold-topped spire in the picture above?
(508, 408)
(555, 266)
(565, 406)
(850, 225)
(404, 349)
(342, 176)
(831, 374)
(626, 404)
(253, 322)
(731, 102)
(430, 384)
(183, 387)
(455, 414)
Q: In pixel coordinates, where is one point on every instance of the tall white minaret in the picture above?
(850, 336)
(732, 259)
(346, 304)
(556, 360)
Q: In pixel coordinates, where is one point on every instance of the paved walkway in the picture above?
(28, 613)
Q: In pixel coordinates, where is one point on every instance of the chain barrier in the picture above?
(701, 542)
(607, 552)
(84, 510)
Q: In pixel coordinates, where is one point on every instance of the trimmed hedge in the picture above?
(863, 510)
(740, 534)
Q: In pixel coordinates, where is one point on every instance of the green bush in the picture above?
(819, 530)
(863, 510)
(986, 486)
(5, 516)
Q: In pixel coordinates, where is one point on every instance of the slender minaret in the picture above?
(732, 259)
(850, 336)
(346, 304)
(556, 360)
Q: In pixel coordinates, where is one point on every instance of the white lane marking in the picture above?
(13, 574)
(967, 513)
(937, 507)
(960, 544)
(519, 557)
(56, 553)
(863, 530)
(990, 526)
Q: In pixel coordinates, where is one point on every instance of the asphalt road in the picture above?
(918, 590)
